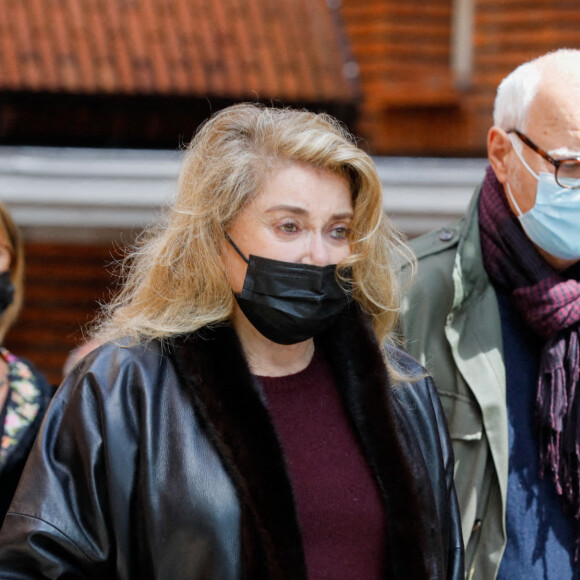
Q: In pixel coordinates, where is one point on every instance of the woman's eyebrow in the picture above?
(343, 216)
(291, 208)
(301, 211)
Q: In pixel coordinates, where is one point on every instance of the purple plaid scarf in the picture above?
(550, 304)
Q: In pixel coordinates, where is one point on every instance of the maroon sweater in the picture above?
(340, 511)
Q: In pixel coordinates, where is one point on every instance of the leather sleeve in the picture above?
(63, 519)
(421, 406)
(455, 559)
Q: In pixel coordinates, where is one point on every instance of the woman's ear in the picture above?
(499, 147)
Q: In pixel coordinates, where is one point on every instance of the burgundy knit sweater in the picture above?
(340, 512)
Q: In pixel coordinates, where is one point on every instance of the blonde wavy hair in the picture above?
(175, 280)
(10, 236)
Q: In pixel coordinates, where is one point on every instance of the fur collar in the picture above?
(228, 402)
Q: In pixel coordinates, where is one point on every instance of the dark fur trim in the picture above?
(392, 449)
(231, 411)
(234, 417)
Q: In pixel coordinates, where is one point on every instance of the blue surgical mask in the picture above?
(553, 224)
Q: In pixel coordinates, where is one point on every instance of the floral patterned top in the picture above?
(22, 406)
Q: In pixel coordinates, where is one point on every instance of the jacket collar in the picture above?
(470, 281)
(229, 404)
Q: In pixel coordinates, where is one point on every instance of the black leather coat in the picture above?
(160, 461)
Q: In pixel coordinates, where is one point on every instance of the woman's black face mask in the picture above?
(288, 302)
(6, 291)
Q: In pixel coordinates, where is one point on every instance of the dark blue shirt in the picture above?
(540, 539)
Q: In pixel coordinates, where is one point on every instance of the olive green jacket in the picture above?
(450, 321)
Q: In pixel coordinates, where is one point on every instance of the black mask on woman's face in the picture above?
(6, 292)
(288, 302)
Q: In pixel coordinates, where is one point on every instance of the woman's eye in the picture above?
(289, 227)
(340, 233)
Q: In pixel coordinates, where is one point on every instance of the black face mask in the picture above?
(6, 292)
(288, 302)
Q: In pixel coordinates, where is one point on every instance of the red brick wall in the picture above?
(411, 105)
(64, 284)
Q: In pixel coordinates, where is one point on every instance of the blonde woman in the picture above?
(243, 419)
(24, 392)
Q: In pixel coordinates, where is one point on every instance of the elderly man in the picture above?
(494, 314)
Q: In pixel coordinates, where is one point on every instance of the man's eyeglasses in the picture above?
(565, 169)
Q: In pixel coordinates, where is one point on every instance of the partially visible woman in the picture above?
(244, 419)
(24, 392)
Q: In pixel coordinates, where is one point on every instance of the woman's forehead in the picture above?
(307, 187)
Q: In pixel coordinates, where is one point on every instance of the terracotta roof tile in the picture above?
(287, 49)
(165, 72)
(83, 49)
(120, 57)
(8, 56)
(43, 43)
(263, 64)
(25, 53)
(243, 30)
(189, 33)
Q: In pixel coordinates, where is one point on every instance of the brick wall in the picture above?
(64, 284)
(412, 103)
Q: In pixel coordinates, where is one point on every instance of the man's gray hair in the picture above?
(518, 89)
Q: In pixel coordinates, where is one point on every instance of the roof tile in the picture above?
(8, 56)
(79, 31)
(241, 49)
(189, 34)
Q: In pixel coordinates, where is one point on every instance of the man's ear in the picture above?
(498, 148)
